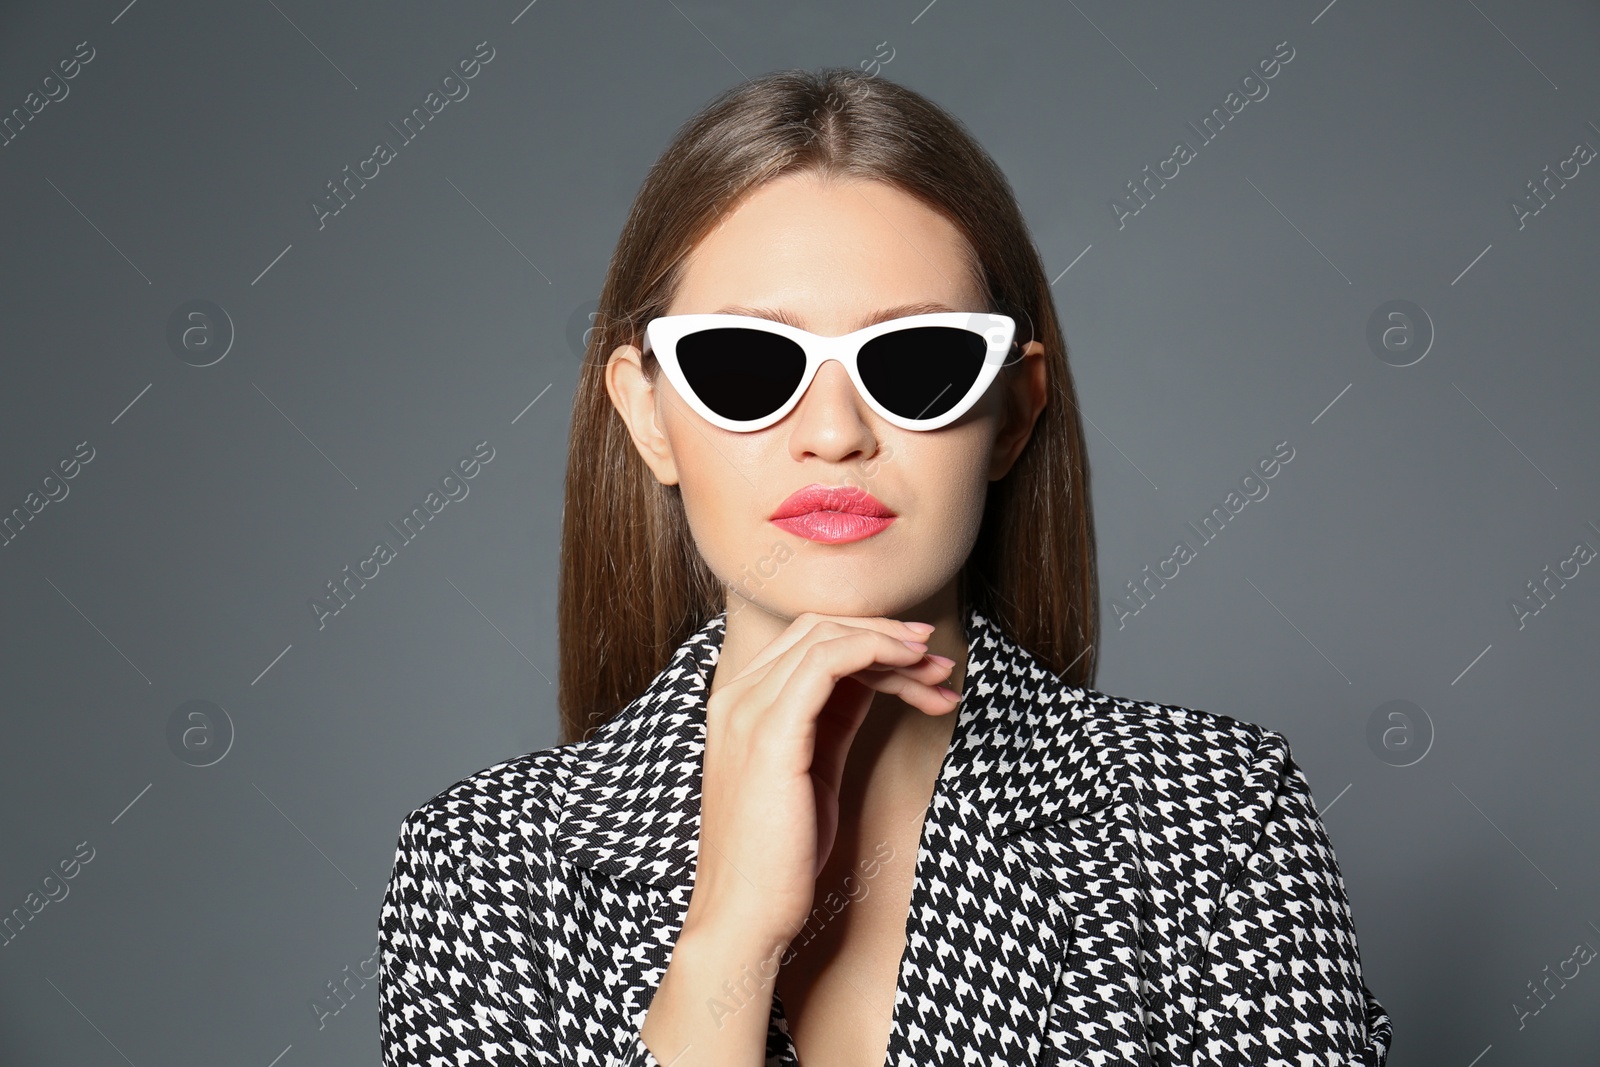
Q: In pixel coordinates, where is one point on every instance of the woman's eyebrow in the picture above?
(784, 316)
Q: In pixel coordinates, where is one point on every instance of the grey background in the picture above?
(370, 356)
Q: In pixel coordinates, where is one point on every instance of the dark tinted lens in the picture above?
(741, 373)
(922, 371)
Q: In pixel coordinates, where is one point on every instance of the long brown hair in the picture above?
(633, 583)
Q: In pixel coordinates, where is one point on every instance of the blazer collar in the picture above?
(1023, 753)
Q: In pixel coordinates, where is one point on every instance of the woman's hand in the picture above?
(777, 736)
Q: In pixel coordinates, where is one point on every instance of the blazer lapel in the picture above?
(1096, 1012)
(631, 820)
(1023, 921)
(633, 796)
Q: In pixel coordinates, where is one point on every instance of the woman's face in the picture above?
(833, 256)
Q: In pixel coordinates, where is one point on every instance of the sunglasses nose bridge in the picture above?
(820, 365)
(831, 353)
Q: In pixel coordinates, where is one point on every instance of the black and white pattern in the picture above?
(1099, 882)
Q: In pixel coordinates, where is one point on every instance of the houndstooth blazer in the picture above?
(1099, 881)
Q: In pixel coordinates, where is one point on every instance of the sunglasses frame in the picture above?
(663, 333)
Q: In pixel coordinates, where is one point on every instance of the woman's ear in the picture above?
(1024, 400)
(636, 400)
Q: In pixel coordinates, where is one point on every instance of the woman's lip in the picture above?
(846, 499)
(834, 527)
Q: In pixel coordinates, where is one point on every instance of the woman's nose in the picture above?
(831, 419)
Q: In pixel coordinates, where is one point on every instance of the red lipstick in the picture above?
(832, 514)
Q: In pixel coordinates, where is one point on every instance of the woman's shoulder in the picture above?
(1096, 742)
(1216, 775)
(510, 802)
(1178, 731)
(1192, 771)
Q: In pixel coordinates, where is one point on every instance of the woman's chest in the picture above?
(1030, 949)
(836, 988)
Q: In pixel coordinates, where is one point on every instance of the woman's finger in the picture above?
(805, 623)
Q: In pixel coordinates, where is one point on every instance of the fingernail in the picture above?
(943, 661)
(951, 693)
(915, 646)
(921, 627)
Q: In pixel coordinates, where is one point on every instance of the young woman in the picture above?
(833, 788)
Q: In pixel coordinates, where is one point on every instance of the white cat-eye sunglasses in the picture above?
(744, 373)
